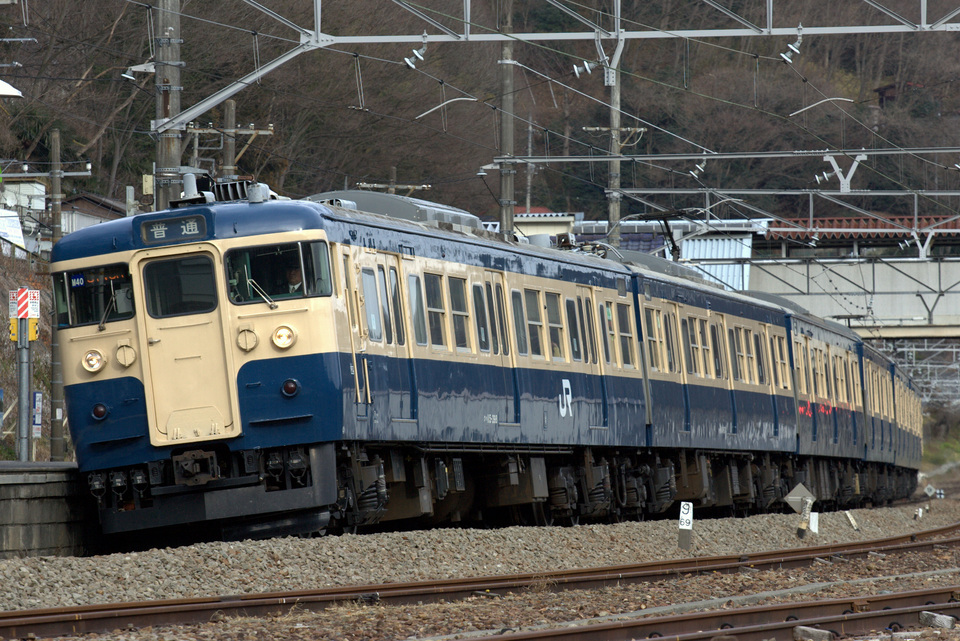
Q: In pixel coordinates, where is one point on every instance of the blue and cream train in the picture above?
(427, 370)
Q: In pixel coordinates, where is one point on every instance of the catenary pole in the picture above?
(168, 101)
(57, 445)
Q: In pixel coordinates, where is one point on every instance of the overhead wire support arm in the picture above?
(447, 30)
(573, 14)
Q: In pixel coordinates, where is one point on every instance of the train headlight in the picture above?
(284, 337)
(94, 360)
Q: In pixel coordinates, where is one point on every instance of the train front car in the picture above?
(194, 393)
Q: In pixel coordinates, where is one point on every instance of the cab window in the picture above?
(95, 295)
(289, 270)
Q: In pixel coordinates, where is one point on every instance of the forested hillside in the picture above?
(347, 114)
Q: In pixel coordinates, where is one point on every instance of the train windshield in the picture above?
(268, 272)
(96, 295)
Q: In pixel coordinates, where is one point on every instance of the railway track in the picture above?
(107, 617)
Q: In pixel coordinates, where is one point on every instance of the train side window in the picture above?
(829, 375)
(626, 335)
(736, 356)
(534, 323)
(774, 363)
(480, 309)
(371, 304)
(687, 345)
(608, 333)
(653, 345)
(603, 331)
(519, 322)
(180, 286)
(846, 380)
(705, 348)
(436, 311)
(317, 264)
(575, 333)
(761, 358)
(555, 324)
(385, 304)
(811, 357)
(669, 329)
(397, 307)
(748, 368)
(717, 347)
(494, 341)
(591, 332)
(459, 312)
(417, 310)
(502, 320)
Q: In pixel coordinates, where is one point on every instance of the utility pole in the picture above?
(613, 194)
(167, 176)
(229, 169)
(57, 445)
(508, 171)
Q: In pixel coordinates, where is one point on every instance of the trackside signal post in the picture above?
(24, 305)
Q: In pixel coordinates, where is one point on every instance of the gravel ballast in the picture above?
(293, 563)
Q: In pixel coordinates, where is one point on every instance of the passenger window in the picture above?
(436, 311)
(774, 363)
(735, 355)
(371, 305)
(626, 334)
(534, 323)
(610, 335)
(385, 304)
(493, 321)
(480, 309)
(397, 307)
(502, 321)
(555, 323)
(575, 352)
(761, 359)
(687, 346)
(668, 330)
(519, 323)
(603, 332)
(715, 334)
(417, 310)
(591, 332)
(749, 371)
(460, 314)
(652, 317)
(705, 348)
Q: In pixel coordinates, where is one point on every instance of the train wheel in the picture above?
(542, 515)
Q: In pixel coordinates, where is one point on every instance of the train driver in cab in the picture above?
(294, 279)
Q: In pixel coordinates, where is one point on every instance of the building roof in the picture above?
(95, 205)
(844, 227)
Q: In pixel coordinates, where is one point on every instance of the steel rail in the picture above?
(841, 617)
(106, 617)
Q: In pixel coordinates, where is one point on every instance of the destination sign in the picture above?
(172, 230)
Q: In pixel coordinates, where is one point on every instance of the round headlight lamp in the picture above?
(93, 360)
(284, 337)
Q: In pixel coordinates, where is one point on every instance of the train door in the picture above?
(583, 347)
(186, 364)
(359, 367)
(386, 359)
(491, 298)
